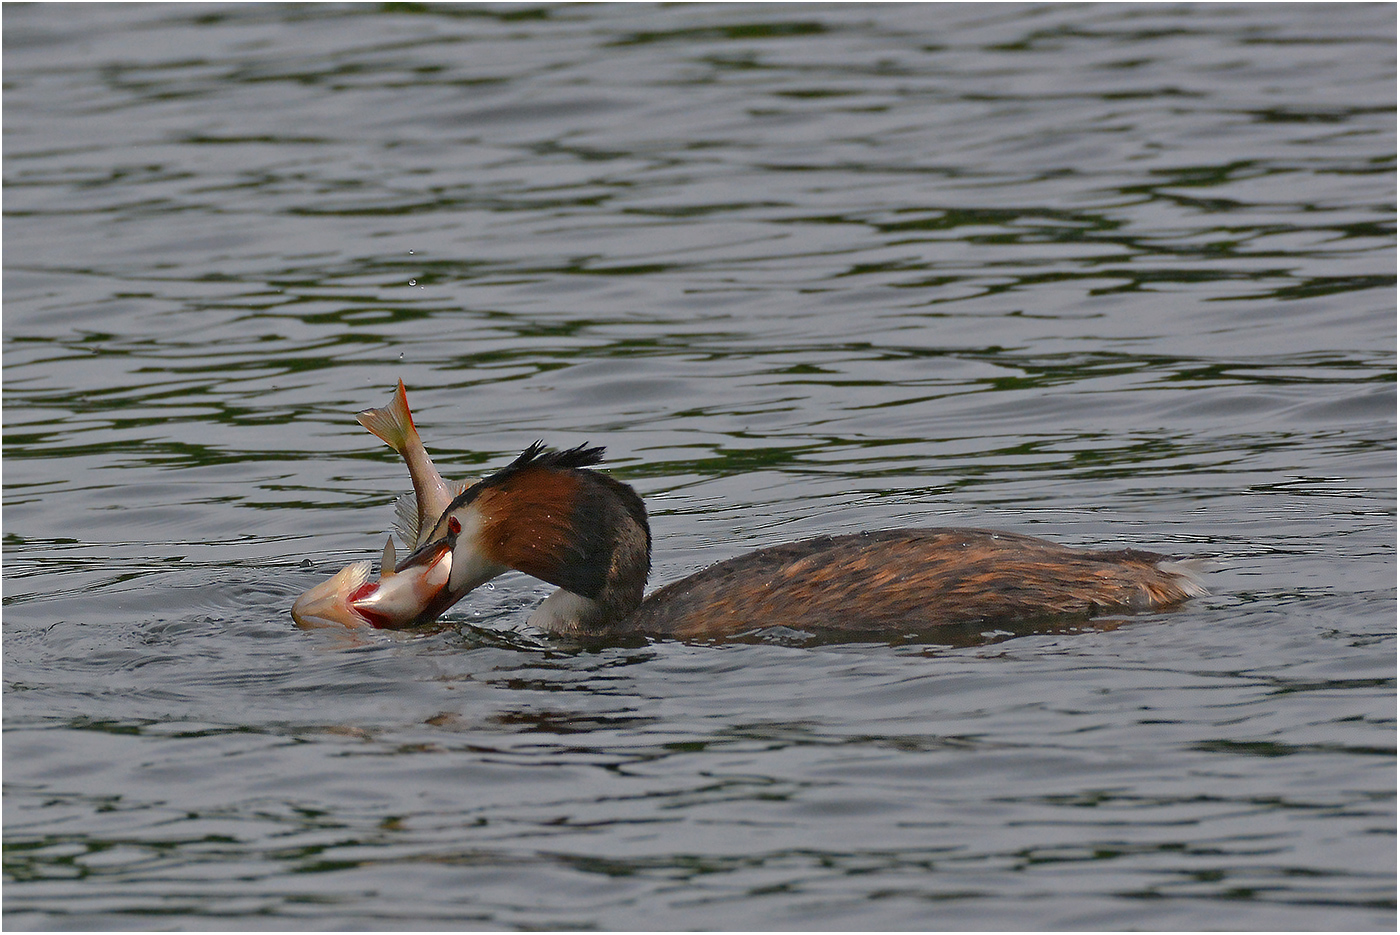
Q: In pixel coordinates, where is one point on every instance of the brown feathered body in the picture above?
(902, 580)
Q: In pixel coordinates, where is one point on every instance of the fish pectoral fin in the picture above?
(388, 560)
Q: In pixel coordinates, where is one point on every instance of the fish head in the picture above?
(353, 600)
(328, 603)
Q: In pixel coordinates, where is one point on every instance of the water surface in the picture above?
(1108, 274)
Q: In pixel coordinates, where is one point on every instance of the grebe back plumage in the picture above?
(549, 516)
(898, 580)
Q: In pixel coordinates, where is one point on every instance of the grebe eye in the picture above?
(454, 525)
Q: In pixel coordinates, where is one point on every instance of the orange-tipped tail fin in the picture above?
(393, 424)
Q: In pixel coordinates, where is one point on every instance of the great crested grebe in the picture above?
(547, 515)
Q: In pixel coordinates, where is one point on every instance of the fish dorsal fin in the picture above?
(406, 515)
(406, 520)
(388, 560)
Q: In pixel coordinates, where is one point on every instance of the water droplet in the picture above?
(413, 282)
(410, 253)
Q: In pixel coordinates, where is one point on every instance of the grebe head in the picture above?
(544, 514)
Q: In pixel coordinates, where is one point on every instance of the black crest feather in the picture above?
(536, 456)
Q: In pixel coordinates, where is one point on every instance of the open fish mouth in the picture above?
(328, 604)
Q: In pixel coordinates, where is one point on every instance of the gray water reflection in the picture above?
(1107, 273)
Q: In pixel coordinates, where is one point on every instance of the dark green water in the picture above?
(1107, 274)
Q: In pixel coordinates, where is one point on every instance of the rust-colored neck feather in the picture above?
(529, 523)
(571, 527)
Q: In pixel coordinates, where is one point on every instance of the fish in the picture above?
(417, 593)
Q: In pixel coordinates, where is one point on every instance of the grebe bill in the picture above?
(547, 515)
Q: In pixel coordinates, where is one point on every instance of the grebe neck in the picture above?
(567, 612)
(548, 516)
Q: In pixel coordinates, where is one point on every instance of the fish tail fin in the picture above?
(393, 424)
